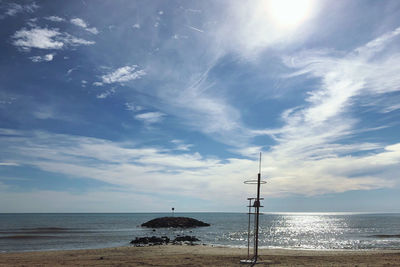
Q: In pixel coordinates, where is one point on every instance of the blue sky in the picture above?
(132, 106)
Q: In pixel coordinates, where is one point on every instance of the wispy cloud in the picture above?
(391, 108)
(54, 18)
(202, 109)
(12, 9)
(315, 147)
(45, 58)
(156, 169)
(81, 23)
(133, 107)
(121, 75)
(41, 38)
(180, 145)
(8, 164)
(106, 94)
(44, 38)
(150, 117)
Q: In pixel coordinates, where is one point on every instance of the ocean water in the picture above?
(30, 232)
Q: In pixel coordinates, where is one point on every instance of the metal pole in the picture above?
(257, 216)
(257, 210)
(248, 232)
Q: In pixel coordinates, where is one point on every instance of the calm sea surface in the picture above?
(27, 232)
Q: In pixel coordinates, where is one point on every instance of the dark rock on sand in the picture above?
(164, 240)
(186, 238)
(174, 222)
(150, 240)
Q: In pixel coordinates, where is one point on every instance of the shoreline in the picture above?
(198, 255)
(218, 246)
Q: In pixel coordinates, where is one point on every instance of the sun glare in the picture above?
(289, 13)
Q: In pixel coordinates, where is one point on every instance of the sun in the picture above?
(289, 13)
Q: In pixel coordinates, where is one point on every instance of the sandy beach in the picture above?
(172, 255)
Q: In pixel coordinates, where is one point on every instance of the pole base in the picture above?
(247, 261)
(252, 262)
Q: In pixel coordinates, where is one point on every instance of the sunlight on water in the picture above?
(303, 231)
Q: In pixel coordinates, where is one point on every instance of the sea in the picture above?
(316, 231)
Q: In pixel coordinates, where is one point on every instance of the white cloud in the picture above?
(98, 84)
(133, 107)
(45, 58)
(391, 108)
(44, 38)
(8, 164)
(200, 108)
(92, 30)
(6, 99)
(81, 23)
(74, 41)
(10, 132)
(13, 8)
(106, 93)
(158, 170)
(44, 113)
(180, 145)
(123, 74)
(136, 26)
(310, 154)
(342, 78)
(54, 18)
(41, 38)
(71, 70)
(150, 117)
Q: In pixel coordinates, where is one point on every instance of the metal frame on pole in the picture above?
(256, 205)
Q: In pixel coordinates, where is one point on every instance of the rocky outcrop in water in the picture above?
(174, 222)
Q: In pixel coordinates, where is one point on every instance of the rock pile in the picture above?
(164, 240)
(150, 240)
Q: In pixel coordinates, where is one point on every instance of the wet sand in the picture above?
(172, 255)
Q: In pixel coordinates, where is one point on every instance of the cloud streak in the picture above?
(45, 38)
(45, 58)
(54, 18)
(315, 150)
(81, 23)
(12, 9)
(106, 93)
(121, 75)
(150, 117)
(156, 169)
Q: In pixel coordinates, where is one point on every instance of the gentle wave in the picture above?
(29, 237)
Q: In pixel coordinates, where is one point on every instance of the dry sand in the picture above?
(172, 255)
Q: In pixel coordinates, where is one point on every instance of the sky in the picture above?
(140, 106)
